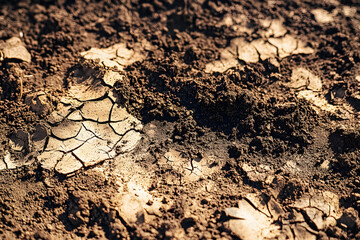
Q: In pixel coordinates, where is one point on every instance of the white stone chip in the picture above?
(14, 48)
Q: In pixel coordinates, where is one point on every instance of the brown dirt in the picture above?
(244, 115)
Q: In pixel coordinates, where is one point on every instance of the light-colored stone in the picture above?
(322, 16)
(14, 48)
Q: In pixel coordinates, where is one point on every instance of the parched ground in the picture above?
(184, 119)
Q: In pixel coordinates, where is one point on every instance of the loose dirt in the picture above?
(179, 119)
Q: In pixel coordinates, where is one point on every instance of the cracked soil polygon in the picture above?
(87, 127)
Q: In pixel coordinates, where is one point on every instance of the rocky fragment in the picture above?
(322, 16)
(14, 48)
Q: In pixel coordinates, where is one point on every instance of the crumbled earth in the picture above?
(168, 119)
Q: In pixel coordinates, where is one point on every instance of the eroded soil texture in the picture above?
(190, 119)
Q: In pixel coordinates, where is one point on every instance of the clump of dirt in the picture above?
(230, 103)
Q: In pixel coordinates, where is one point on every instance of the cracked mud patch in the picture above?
(276, 44)
(88, 135)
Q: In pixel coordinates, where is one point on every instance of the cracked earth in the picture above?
(179, 120)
